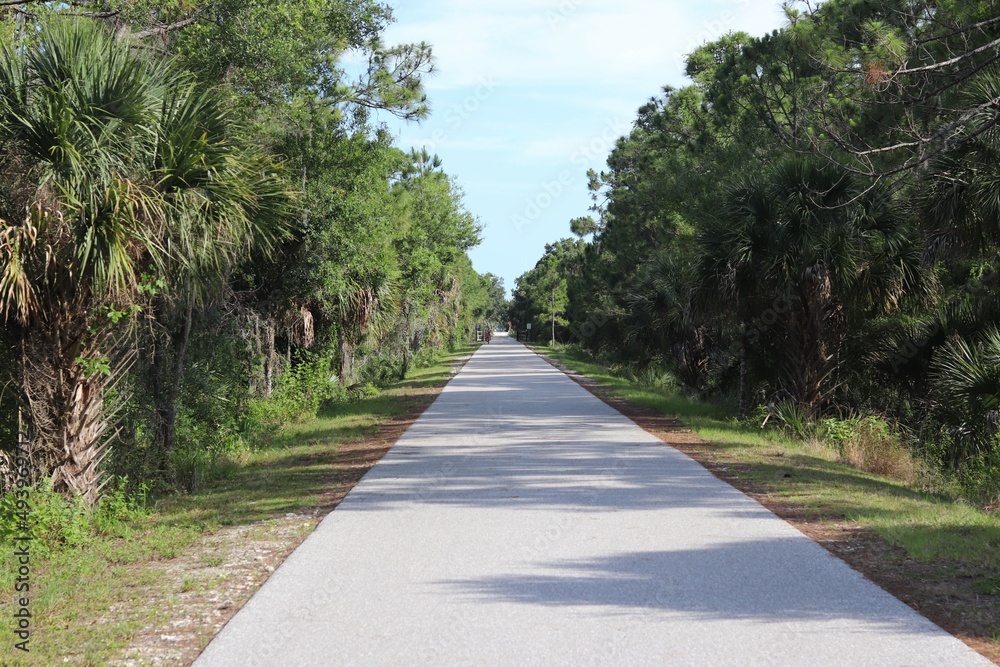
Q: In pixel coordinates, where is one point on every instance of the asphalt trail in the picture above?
(521, 521)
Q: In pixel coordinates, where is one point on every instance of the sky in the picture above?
(530, 94)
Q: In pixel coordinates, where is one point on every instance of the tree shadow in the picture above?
(758, 580)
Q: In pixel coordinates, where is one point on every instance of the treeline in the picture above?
(811, 226)
(205, 231)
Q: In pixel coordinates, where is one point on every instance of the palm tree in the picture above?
(119, 178)
(660, 318)
(814, 248)
(367, 310)
(965, 395)
(959, 201)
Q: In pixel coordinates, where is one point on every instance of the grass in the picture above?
(77, 593)
(931, 525)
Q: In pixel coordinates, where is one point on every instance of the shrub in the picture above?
(381, 369)
(206, 451)
(965, 396)
(980, 481)
(54, 522)
(869, 443)
(653, 376)
(792, 417)
(303, 388)
(120, 507)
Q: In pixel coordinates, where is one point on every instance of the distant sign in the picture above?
(529, 326)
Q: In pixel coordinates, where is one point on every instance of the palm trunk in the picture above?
(743, 378)
(171, 386)
(346, 369)
(270, 357)
(809, 357)
(408, 341)
(65, 403)
(83, 447)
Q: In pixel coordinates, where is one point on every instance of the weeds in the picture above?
(870, 444)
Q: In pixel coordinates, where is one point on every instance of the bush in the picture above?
(792, 417)
(56, 523)
(380, 370)
(425, 357)
(653, 376)
(206, 451)
(980, 481)
(758, 418)
(303, 388)
(869, 444)
(53, 521)
(965, 396)
(120, 506)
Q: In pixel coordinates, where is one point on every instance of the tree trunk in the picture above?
(346, 369)
(167, 368)
(271, 357)
(83, 449)
(65, 402)
(743, 379)
(408, 342)
(170, 388)
(553, 341)
(809, 358)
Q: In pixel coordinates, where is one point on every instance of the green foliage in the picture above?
(541, 294)
(811, 224)
(980, 481)
(121, 506)
(235, 198)
(653, 376)
(965, 380)
(792, 417)
(304, 387)
(202, 455)
(496, 306)
(54, 522)
(122, 174)
(870, 443)
(57, 523)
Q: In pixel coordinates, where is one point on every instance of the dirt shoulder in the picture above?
(946, 594)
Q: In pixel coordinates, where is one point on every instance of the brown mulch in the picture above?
(940, 592)
(199, 591)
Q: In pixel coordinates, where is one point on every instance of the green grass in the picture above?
(73, 589)
(929, 525)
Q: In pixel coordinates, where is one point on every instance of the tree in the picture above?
(664, 181)
(118, 171)
(541, 293)
(824, 248)
(434, 232)
(496, 299)
(877, 87)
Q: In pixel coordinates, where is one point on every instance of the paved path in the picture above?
(521, 521)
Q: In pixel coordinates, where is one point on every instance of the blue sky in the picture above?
(530, 94)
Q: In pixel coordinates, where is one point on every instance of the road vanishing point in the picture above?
(522, 521)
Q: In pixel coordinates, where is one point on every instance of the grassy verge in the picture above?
(937, 553)
(162, 582)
